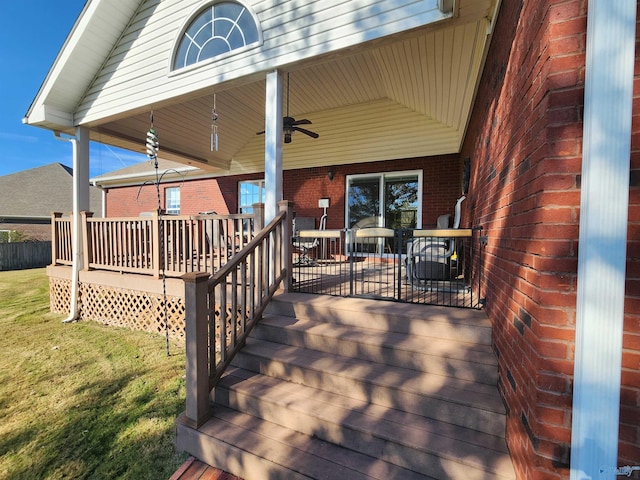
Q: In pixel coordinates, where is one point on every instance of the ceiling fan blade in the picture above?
(260, 133)
(304, 121)
(306, 132)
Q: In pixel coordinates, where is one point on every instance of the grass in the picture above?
(82, 400)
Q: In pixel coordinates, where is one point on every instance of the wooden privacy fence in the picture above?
(175, 244)
(23, 255)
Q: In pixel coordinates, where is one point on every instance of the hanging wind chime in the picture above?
(153, 146)
(214, 126)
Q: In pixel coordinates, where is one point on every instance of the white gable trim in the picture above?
(97, 30)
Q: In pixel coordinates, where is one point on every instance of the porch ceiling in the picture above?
(411, 97)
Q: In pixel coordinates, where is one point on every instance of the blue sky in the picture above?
(29, 43)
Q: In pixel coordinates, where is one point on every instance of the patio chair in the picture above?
(305, 244)
(364, 243)
(429, 258)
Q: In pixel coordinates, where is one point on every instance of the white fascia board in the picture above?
(171, 175)
(60, 61)
(53, 118)
(62, 64)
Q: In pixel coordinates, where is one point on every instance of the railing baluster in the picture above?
(234, 307)
(223, 321)
(243, 296)
(252, 283)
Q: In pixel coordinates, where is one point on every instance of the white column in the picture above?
(81, 171)
(273, 145)
(80, 190)
(80, 203)
(603, 234)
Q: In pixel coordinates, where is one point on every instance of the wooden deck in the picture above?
(194, 469)
(331, 387)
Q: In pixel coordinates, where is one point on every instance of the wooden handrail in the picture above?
(228, 305)
(242, 255)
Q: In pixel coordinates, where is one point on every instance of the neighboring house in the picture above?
(404, 95)
(28, 198)
(184, 190)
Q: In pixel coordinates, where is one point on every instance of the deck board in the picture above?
(194, 469)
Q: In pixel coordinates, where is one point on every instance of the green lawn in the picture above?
(82, 400)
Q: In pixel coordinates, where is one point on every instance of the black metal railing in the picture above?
(438, 266)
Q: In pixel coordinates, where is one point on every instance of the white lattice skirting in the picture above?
(121, 307)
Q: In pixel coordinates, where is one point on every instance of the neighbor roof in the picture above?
(38, 192)
(145, 171)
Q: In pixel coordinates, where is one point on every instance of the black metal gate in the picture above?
(436, 267)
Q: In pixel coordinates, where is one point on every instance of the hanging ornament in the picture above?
(153, 145)
(214, 126)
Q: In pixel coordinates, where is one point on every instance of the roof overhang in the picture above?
(93, 36)
(411, 92)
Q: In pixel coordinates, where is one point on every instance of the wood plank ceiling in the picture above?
(408, 98)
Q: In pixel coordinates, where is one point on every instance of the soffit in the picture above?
(430, 75)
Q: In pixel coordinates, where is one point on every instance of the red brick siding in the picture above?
(629, 445)
(524, 141)
(195, 196)
(441, 188)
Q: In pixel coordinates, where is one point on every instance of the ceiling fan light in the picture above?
(288, 132)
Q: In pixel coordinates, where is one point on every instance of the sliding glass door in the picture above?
(390, 200)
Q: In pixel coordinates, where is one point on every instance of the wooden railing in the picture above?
(157, 244)
(61, 243)
(220, 311)
(204, 243)
(121, 244)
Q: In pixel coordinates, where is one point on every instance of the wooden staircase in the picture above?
(335, 388)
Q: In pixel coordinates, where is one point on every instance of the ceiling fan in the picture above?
(290, 124)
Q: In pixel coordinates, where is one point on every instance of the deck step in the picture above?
(411, 441)
(435, 396)
(468, 361)
(463, 325)
(256, 449)
(329, 388)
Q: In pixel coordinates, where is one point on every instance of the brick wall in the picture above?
(195, 196)
(441, 188)
(629, 445)
(524, 141)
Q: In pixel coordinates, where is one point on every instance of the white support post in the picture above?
(80, 203)
(273, 145)
(81, 171)
(603, 238)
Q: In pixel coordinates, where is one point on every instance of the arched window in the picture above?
(218, 29)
